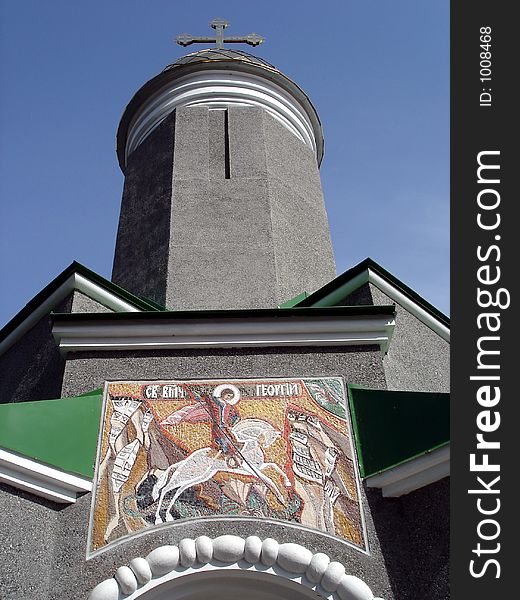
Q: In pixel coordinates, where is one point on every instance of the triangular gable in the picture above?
(368, 271)
(74, 277)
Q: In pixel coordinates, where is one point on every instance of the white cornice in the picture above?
(161, 572)
(74, 282)
(42, 480)
(174, 333)
(370, 276)
(414, 474)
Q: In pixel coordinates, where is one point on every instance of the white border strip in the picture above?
(171, 333)
(413, 474)
(101, 295)
(39, 479)
(74, 282)
(425, 317)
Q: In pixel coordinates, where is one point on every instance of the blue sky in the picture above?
(377, 71)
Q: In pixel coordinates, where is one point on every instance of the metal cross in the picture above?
(253, 39)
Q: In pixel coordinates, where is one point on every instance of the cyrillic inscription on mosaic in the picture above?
(264, 449)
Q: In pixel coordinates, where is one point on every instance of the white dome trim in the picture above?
(219, 89)
(316, 572)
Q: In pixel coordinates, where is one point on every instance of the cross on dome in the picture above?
(218, 24)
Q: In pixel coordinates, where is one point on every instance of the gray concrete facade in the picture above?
(414, 534)
(28, 534)
(361, 365)
(227, 208)
(142, 243)
(82, 303)
(408, 542)
(32, 368)
(418, 359)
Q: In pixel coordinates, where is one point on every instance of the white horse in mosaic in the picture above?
(203, 464)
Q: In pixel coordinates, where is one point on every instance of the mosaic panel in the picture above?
(264, 449)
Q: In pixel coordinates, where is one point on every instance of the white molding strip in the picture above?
(425, 317)
(161, 573)
(219, 89)
(74, 282)
(413, 474)
(344, 290)
(101, 295)
(42, 480)
(174, 333)
(392, 292)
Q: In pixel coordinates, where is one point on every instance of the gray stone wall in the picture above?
(32, 368)
(357, 364)
(75, 577)
(143, 236)
(300, 227)
(360, 297)
(227, 209)
(45, 558)
(414, 534)
(418, 359)
(28, 531)
(83, 304)
(221, 253)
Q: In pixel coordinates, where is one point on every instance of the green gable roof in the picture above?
(294, 301)
(391, 428)
(62, 433)
(364, 265)
(75, 267)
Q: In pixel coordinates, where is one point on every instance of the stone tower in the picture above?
(222, 205)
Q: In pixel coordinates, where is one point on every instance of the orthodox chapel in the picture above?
(226, 417)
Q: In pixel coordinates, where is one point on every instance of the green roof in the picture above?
(392, 427)
(364, 265)
(294, 301)
(61, 433)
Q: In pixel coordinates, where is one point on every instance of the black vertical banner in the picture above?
(485, 169)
